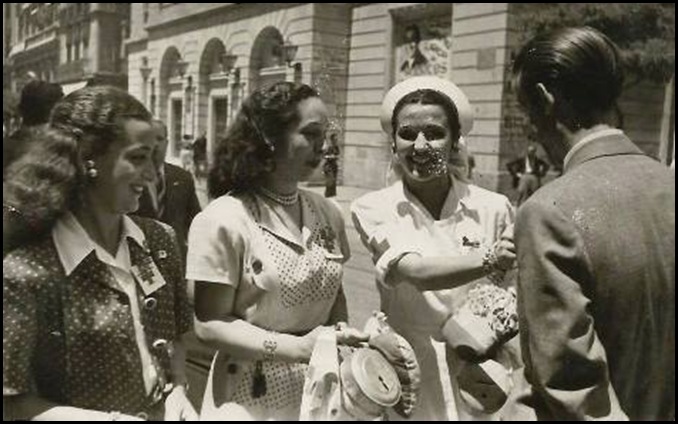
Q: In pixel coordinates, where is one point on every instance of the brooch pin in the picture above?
(147, 275)
(466, 242)
(328, 238)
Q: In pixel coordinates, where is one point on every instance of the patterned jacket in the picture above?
(71, 339)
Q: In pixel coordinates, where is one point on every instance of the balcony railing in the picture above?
(73, 71)
(41, 37)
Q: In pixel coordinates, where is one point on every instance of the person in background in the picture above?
(94, 303)
(267, 258)
(432, 235)
(186, 155)
(172, 199)
(596, 247)
(200, 155)
(37, 101)
(527, 172)
(331, 165)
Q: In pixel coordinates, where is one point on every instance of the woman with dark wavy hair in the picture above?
(95, 304)
(267, 258)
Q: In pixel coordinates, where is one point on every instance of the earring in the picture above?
(91, 169)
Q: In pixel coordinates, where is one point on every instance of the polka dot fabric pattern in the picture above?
(306, 276)
(74, 335)
(284, 385)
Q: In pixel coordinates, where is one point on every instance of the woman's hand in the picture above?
(505, 250)
(307, 343)
(350, 336)
(178, 407)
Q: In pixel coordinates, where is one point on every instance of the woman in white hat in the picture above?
(432, 233)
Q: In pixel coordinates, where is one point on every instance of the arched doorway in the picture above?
(267, 64)
(214, 96)
(171, 101)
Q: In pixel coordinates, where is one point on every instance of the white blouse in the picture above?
(284, 283)
(392, 222)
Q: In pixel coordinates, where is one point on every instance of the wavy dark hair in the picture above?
(581, 66)
(47, 179)
(245, 154)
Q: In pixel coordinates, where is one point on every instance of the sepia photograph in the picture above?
(338, 211)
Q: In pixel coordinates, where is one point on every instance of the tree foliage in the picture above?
(645, 32)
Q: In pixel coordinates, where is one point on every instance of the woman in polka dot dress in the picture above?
(267, 258)
(95, 307)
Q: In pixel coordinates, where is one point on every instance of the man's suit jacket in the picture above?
(596, 296)
(181, 203)
(539, 168)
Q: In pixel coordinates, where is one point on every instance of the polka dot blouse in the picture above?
(71, 339)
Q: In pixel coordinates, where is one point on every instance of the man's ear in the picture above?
(546, 100)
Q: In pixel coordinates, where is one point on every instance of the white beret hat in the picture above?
(442, 86)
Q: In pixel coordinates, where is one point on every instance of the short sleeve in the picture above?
(340, 226)
(19, 331)
(380, 236)
(216, 245)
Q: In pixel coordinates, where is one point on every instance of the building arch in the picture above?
(170, 105)
(267, 64)
(213, 94)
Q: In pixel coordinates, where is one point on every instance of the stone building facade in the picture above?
(67, 43)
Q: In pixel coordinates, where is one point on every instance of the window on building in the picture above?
(220, 113)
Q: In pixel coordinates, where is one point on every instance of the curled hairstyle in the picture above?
(245, 154)
(581, 66)
(46, 180)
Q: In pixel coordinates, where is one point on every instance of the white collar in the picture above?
(459, 195)
(586, 140)
(73, 244)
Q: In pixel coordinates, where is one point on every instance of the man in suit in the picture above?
(527, 172)
(172, 199)
(596, 247)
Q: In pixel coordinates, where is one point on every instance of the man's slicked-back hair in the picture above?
(580, 66)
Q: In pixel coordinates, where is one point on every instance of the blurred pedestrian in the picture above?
(331, 165)
(37, 101)
(200, 155)
(596, 247)
(186, 155)
(527, 172)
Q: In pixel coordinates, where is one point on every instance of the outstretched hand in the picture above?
(350, 336)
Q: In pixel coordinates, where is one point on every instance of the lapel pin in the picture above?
(466, 242)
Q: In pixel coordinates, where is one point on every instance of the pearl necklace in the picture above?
(281, 199)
